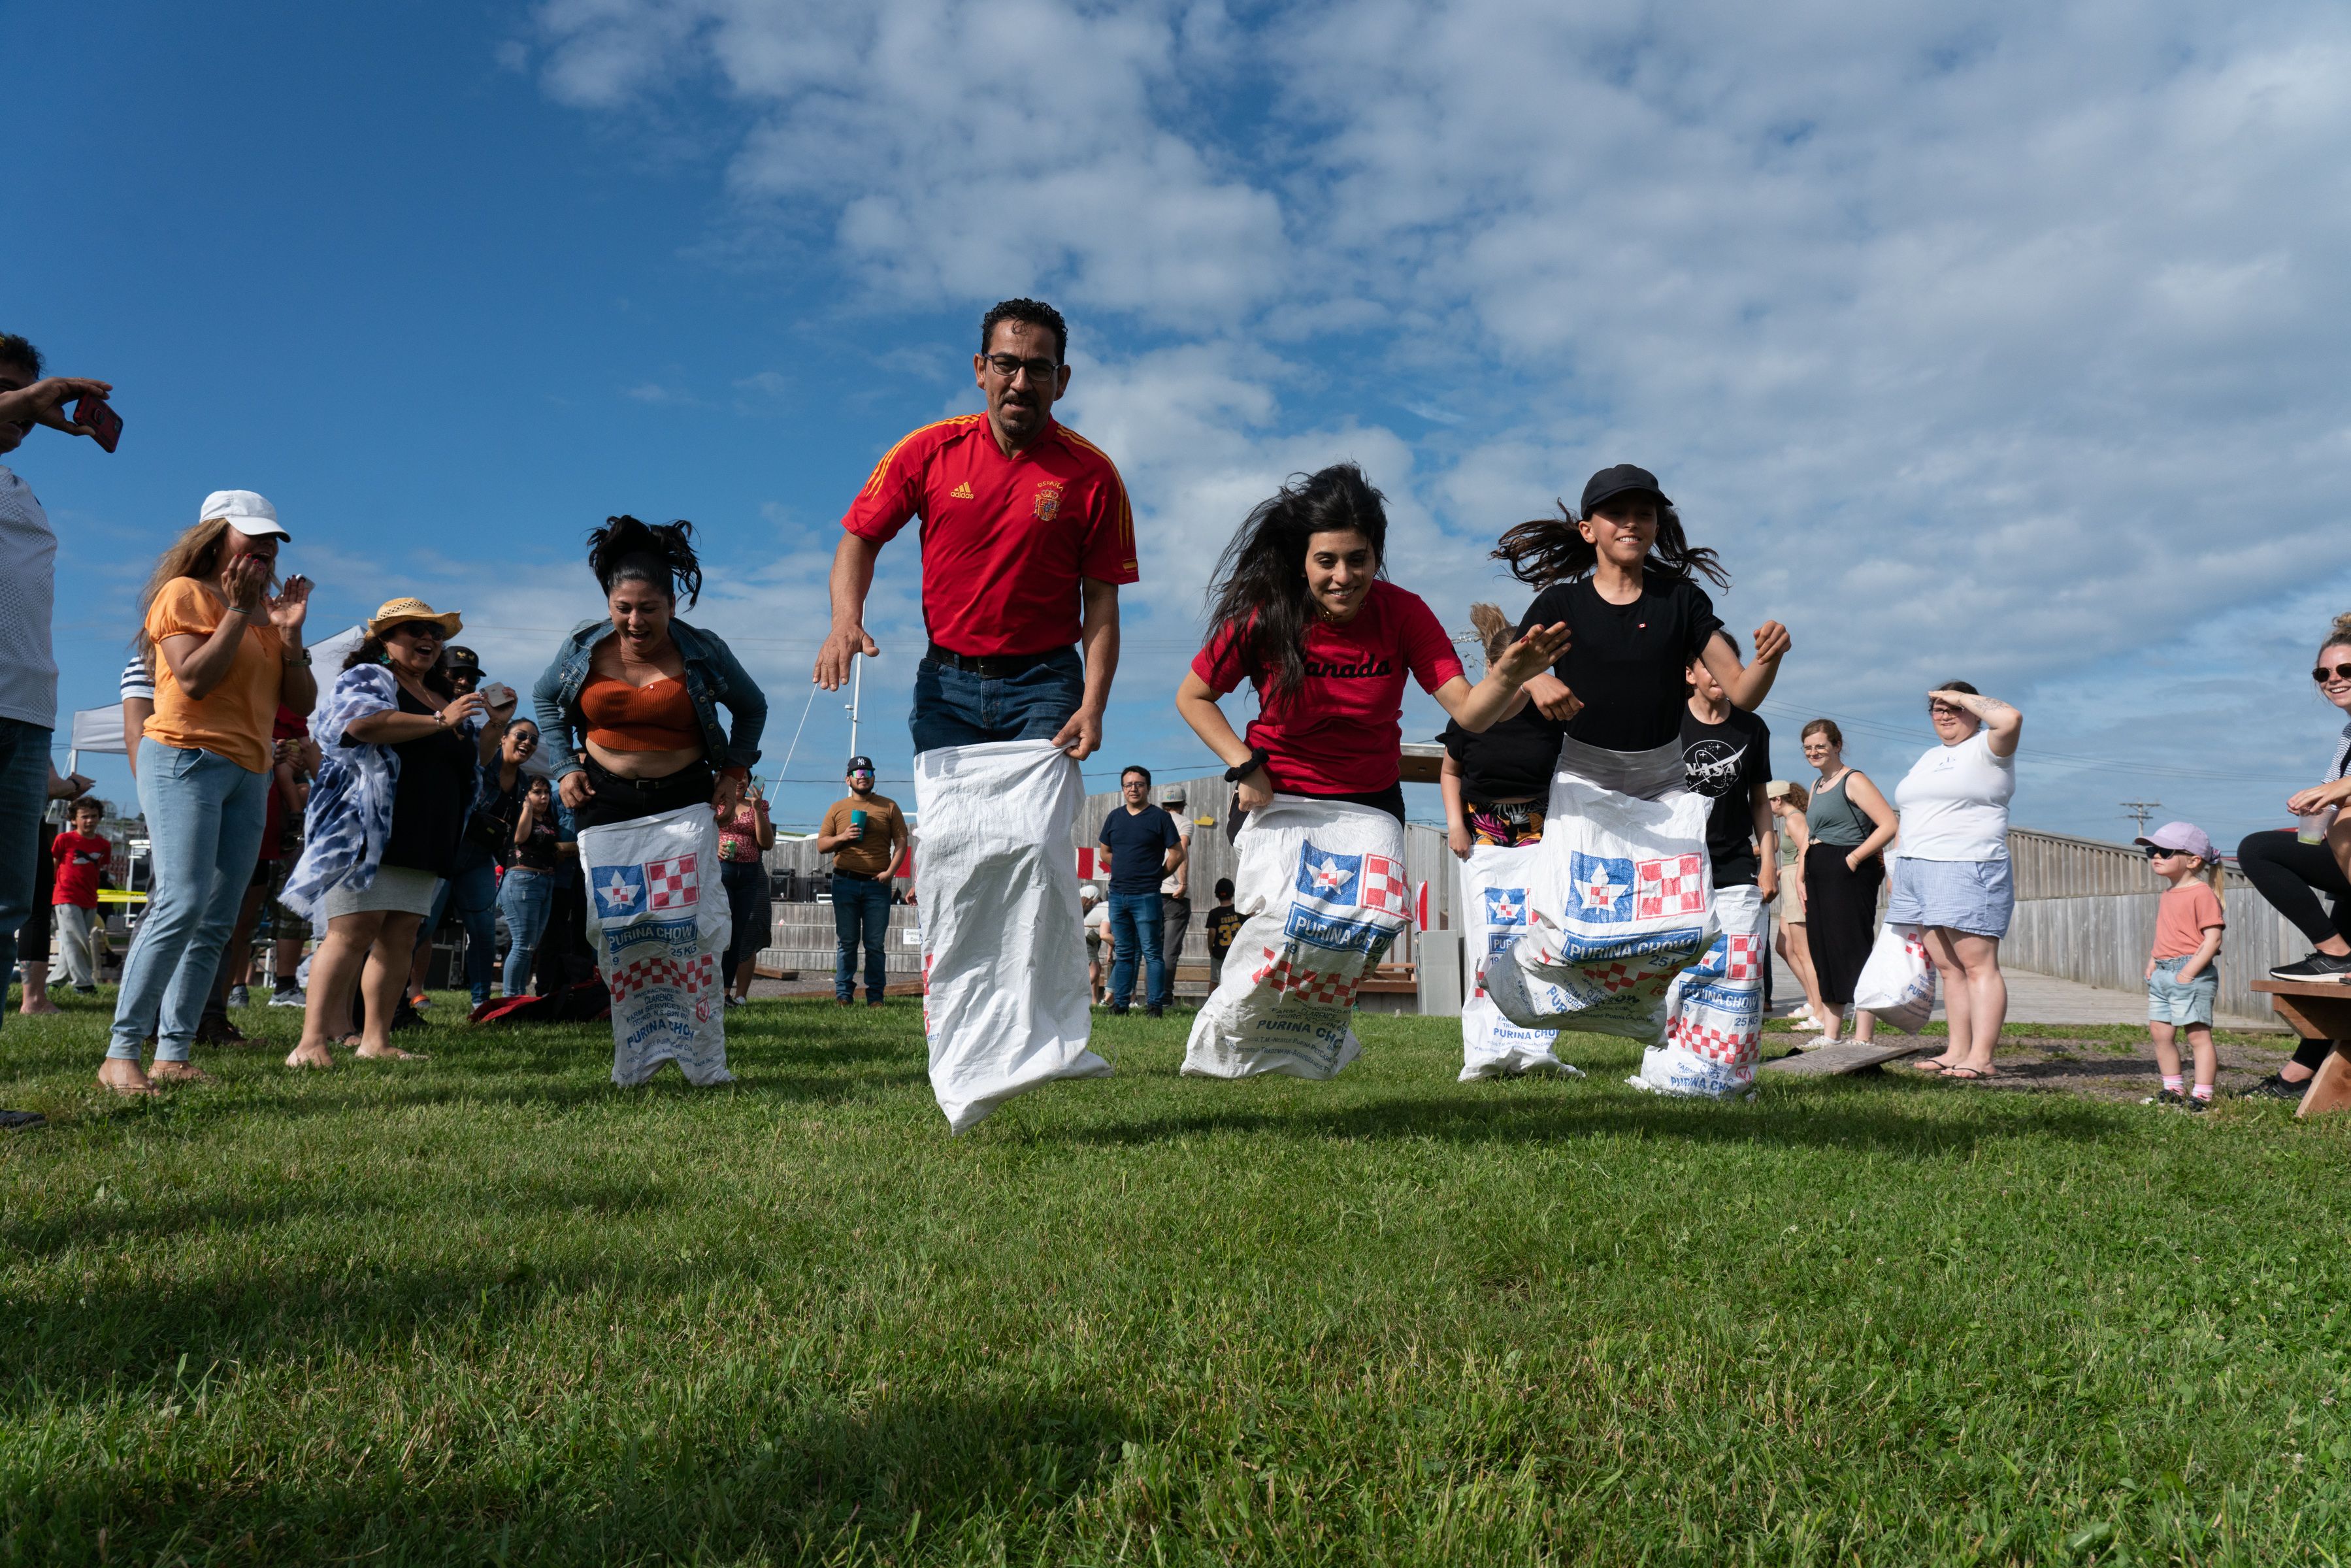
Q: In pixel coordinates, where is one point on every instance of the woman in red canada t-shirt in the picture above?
(1302, 614)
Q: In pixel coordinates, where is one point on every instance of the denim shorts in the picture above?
(1975, 898)
(2169, 1001)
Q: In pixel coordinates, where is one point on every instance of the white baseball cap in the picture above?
(247, 513)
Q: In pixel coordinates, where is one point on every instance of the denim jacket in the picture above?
(713, 679)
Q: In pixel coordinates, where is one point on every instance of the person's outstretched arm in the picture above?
(1747, 685)
(1476, 709)
(852, 578)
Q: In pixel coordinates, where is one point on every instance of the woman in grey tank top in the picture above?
(1848, 825)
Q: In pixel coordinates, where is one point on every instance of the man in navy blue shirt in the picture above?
(1143, 846)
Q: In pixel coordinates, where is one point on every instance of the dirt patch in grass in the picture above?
(2098, 1070)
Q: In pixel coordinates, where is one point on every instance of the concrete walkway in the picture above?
(2038, 999)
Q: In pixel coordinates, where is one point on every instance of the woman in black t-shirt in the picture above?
(1621, 575)
(1497, 781)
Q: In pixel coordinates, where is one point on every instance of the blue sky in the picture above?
(2001, 341)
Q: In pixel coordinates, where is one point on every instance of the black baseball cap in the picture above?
(1617, 481)
(460, 661)
(859, 765)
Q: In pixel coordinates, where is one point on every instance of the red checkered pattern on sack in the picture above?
(1307, 985)
(1741, 963)
(1618, 978)
(1385, 887)
(646, 974)
(1715, 1044)
(1675, 886)
(670, 883)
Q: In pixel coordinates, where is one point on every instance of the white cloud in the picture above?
(2001, 340)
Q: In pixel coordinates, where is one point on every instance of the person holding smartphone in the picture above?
(28, 670)
(864, 832)
(745, 837)
(403, 752)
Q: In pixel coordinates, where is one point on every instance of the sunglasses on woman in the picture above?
(2322, 674)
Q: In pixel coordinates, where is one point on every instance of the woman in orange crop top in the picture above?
(629, 708)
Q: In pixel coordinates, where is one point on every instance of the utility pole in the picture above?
(2141, 810)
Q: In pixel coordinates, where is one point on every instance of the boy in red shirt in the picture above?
(82, 854)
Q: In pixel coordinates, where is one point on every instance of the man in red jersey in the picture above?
(1026, 535)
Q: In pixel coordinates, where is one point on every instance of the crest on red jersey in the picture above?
(1049, 502)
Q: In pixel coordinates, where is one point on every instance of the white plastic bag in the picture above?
(658, 919)
(1493, 918)
(1713, 1010)
(1898, 984)
(1621, 901)
(1321, 887)
(1004, 953)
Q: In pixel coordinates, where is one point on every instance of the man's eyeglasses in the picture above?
(1008, 367)
(2339, 672)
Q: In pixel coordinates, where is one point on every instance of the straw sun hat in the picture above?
(400, 612)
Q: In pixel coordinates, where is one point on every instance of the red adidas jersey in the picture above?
(1004, 540)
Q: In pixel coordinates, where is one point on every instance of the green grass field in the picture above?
(490, 1309)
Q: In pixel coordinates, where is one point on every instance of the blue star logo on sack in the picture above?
(620, 890)
(1601, 886)
(1506, 907)
(1333, 893)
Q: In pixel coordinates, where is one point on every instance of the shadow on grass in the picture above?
(782, 1483)
(1885, 1127)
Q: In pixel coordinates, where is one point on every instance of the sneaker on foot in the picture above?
(85, 990)
(420, 1001)
(405, 1016)
(2165, 1097)
(2317, 966)
(844, 1001)
(289, 997)
(2194, 1106)
(215, 1029)
(2275, 1087)
(17, 1120)
(1154, 1011)
(238, 997)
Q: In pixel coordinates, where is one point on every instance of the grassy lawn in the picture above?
(488, 1308)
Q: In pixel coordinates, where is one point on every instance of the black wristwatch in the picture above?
(1258, 756)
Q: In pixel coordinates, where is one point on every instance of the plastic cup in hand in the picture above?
(2312, 830)
(857, 823)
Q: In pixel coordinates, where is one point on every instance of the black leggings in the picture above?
(619, 799)
(2290, 875)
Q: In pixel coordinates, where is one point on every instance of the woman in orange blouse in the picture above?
(226, 652)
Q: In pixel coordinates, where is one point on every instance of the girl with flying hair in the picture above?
(1302, 611)
(226, 652)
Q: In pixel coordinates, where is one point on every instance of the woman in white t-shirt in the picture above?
(1952, 880)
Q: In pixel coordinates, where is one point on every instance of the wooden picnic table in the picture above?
(2318, 1010)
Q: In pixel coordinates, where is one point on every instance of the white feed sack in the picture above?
(1321, 890)
(1714, 1010)
(658, 918)
(1494, 882)
(1898, 984)
(1621, 895)
(1004, 1002)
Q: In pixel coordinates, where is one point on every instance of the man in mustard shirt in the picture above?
(864, 833)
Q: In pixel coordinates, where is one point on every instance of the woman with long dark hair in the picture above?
(1303, 611)
(629, 704)
(226, 654)
(402, 753)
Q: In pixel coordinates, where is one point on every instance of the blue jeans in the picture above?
(861, 911)
(205, 816)
(954, 708)
(473, 886)
(24, 795)
(525, 896)
(1135, 926)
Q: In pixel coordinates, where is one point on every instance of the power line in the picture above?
(2141, 810)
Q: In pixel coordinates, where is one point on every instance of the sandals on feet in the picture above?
(1969, 1074)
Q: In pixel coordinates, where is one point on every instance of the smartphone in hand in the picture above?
(104, 423)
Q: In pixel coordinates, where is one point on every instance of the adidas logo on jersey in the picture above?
(961, 492)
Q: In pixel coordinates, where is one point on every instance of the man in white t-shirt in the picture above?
(28, 672)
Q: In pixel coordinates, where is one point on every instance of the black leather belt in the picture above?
(994, 667)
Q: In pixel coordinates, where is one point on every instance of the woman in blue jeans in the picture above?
(526, 891)
(226, 653)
